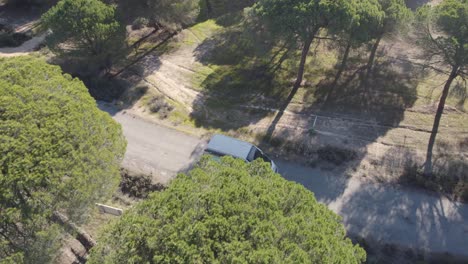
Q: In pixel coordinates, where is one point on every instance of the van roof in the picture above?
(225, 145)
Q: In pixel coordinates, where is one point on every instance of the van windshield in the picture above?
(255, 153)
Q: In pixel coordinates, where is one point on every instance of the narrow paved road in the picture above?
(24, 49)
(154, 149)
(392, 215)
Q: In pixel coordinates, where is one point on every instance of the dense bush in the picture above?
(449, 178)
(138, 186)
(228, 212)
(58, 152)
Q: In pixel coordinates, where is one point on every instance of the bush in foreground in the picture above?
(58, 152)
(228, 212)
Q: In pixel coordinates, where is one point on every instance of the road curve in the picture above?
(388, 214)
(155, 149)
(25, 49)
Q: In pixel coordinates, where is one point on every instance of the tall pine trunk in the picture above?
(370, 63)
(435, 127)
(300, 73)
(297, 84)
(209, 9)
(341, 69)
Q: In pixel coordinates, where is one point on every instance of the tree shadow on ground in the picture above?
(387, 216)
(246, 73)
(99, 85)
(243, 89)
(390, 90)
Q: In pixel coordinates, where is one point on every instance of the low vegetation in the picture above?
(85, 30)
(158, 104)
(137, 185)
(336, 155)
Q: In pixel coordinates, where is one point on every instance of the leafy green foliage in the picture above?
(228, 212)
(396, 16)
(86, 28)
(57, 152)
(171, 14)
(303, 18)
(368, 18)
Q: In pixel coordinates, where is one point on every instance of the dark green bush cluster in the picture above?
(9, 38)
(336, 155)
(138, 186)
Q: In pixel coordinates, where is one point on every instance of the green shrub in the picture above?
(140, 23)
(228, 211)
(157, 104)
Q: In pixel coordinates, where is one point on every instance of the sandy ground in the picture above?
(383, 213)
(171, 73)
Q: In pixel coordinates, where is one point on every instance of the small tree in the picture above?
(367, 19)
(396, 15)
(58, 152)
(444, 36)
(228, 212)
(86, 29)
